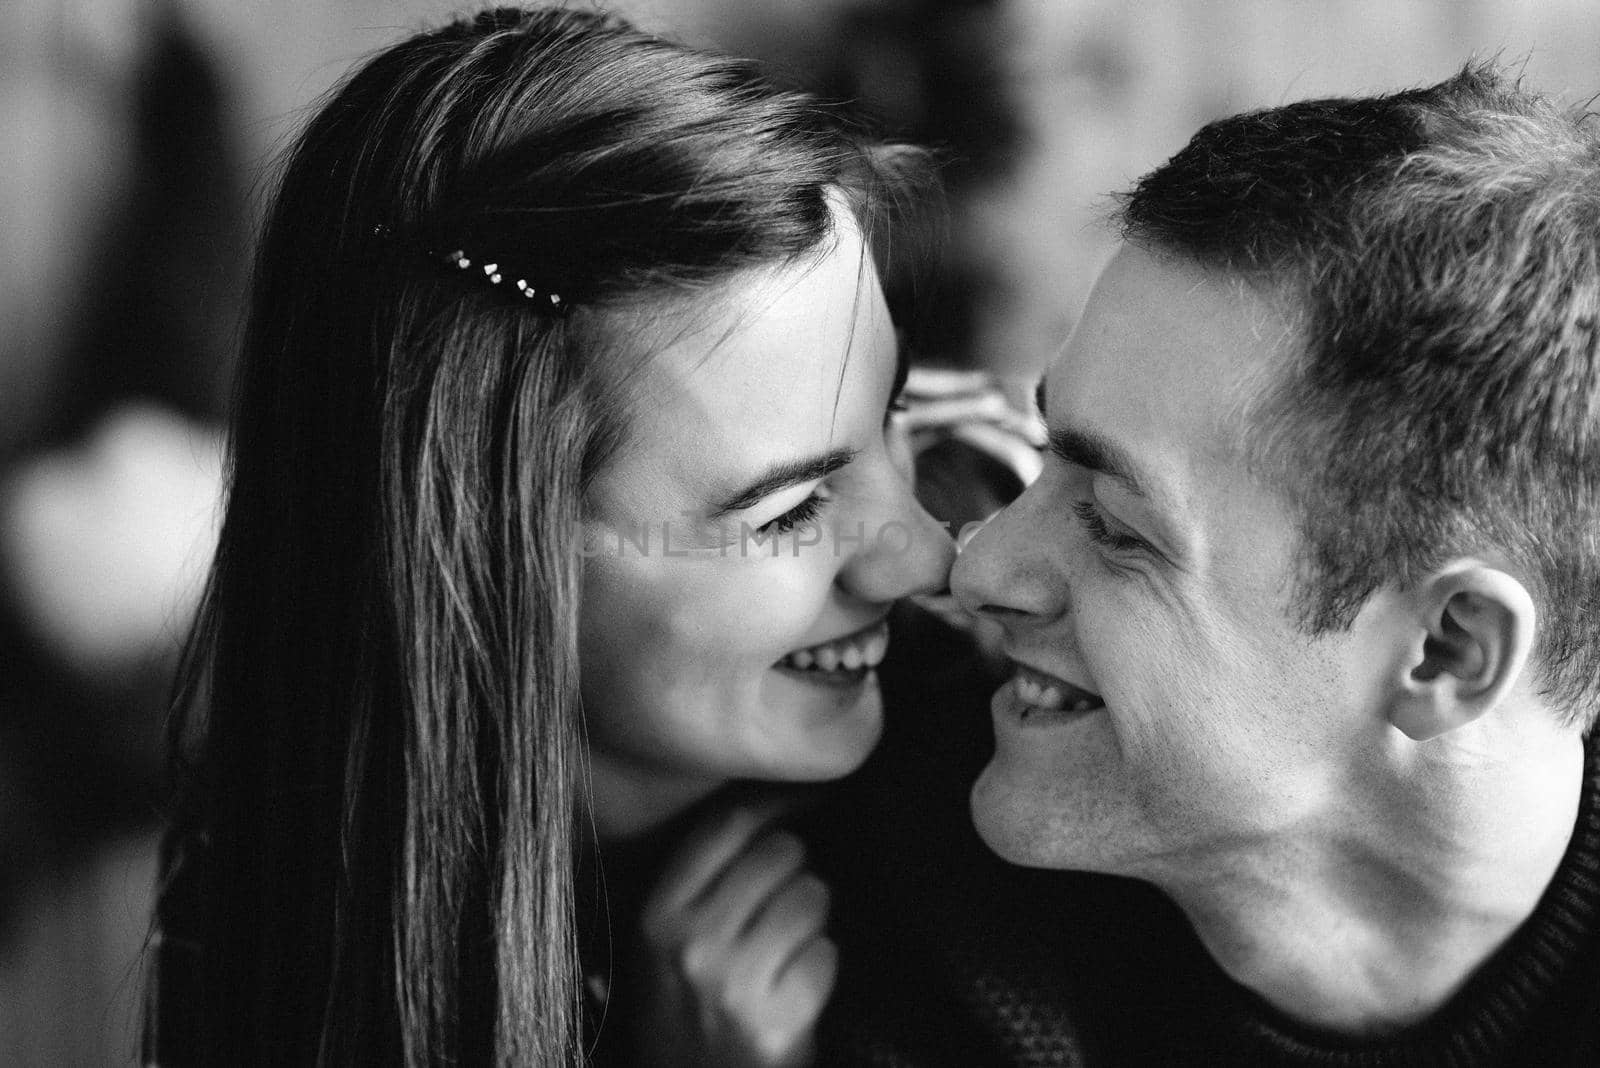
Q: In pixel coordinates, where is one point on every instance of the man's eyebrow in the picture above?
(781, 476)
(1092, 452)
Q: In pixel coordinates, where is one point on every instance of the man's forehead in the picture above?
(1162, 372)
(1170, 352)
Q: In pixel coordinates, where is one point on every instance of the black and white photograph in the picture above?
(800, 533)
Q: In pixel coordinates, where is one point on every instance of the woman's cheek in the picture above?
(686, 614)
(776, 601)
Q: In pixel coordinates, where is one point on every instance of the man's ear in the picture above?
(1473, 633)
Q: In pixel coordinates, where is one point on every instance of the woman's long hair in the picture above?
(379, 710)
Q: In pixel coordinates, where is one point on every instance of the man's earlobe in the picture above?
(1477, 632)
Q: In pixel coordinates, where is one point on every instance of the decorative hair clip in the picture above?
(544, 300)
(461, 261)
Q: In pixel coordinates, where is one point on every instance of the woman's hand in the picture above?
(737, 965)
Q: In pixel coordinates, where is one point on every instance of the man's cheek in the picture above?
(1120, 652)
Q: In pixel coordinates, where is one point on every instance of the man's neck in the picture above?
(1366, 935)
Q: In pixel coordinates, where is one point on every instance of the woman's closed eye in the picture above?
(804, 512)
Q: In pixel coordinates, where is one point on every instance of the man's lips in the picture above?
(1040, 690)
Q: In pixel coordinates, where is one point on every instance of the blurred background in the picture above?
(139, 143)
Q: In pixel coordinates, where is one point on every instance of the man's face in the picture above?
(1143, 585)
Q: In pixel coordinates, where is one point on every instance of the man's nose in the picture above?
(1003, 571)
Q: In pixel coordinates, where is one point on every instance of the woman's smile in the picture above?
(854, 654)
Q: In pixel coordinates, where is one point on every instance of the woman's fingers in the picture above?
(791, 918)
(733, 902)
(781, 971)
(805, 983)
(700, 861)
(735, 931)
(713, 932)
(796, 999)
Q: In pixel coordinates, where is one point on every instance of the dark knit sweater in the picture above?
(951, 957)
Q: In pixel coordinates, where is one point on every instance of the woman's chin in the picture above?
(834, 726)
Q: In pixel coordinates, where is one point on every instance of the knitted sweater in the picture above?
(951, 957)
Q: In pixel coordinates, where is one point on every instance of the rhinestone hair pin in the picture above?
(459, 261)
(491, 271)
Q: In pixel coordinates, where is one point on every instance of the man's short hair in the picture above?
(1439, 252)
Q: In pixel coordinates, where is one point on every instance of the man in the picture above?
(1305, 607)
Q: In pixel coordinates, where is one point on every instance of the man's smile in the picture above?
(1034, 693)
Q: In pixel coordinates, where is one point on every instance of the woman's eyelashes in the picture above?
(1101, 531)
(804, 512)
(809, 509)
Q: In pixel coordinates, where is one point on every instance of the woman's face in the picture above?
(746, 544)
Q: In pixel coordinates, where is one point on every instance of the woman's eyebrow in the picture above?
(781, 476)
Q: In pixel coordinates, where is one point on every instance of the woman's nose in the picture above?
(903, 551)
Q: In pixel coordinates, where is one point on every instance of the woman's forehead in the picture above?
(790, 355)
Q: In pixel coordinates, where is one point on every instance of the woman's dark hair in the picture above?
(384, 737)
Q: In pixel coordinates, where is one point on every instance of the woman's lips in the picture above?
(862, 650)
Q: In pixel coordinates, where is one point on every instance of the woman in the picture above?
(563, 496)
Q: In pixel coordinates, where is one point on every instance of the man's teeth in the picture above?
(1041, 696)
(1046, 696)
(861, 650)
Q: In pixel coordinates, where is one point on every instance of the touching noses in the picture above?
(1002, 572)
(902, 550)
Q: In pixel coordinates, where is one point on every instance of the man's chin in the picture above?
(999, 822)
(1026, 826)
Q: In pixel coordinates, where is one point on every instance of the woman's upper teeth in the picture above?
(862, 649)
